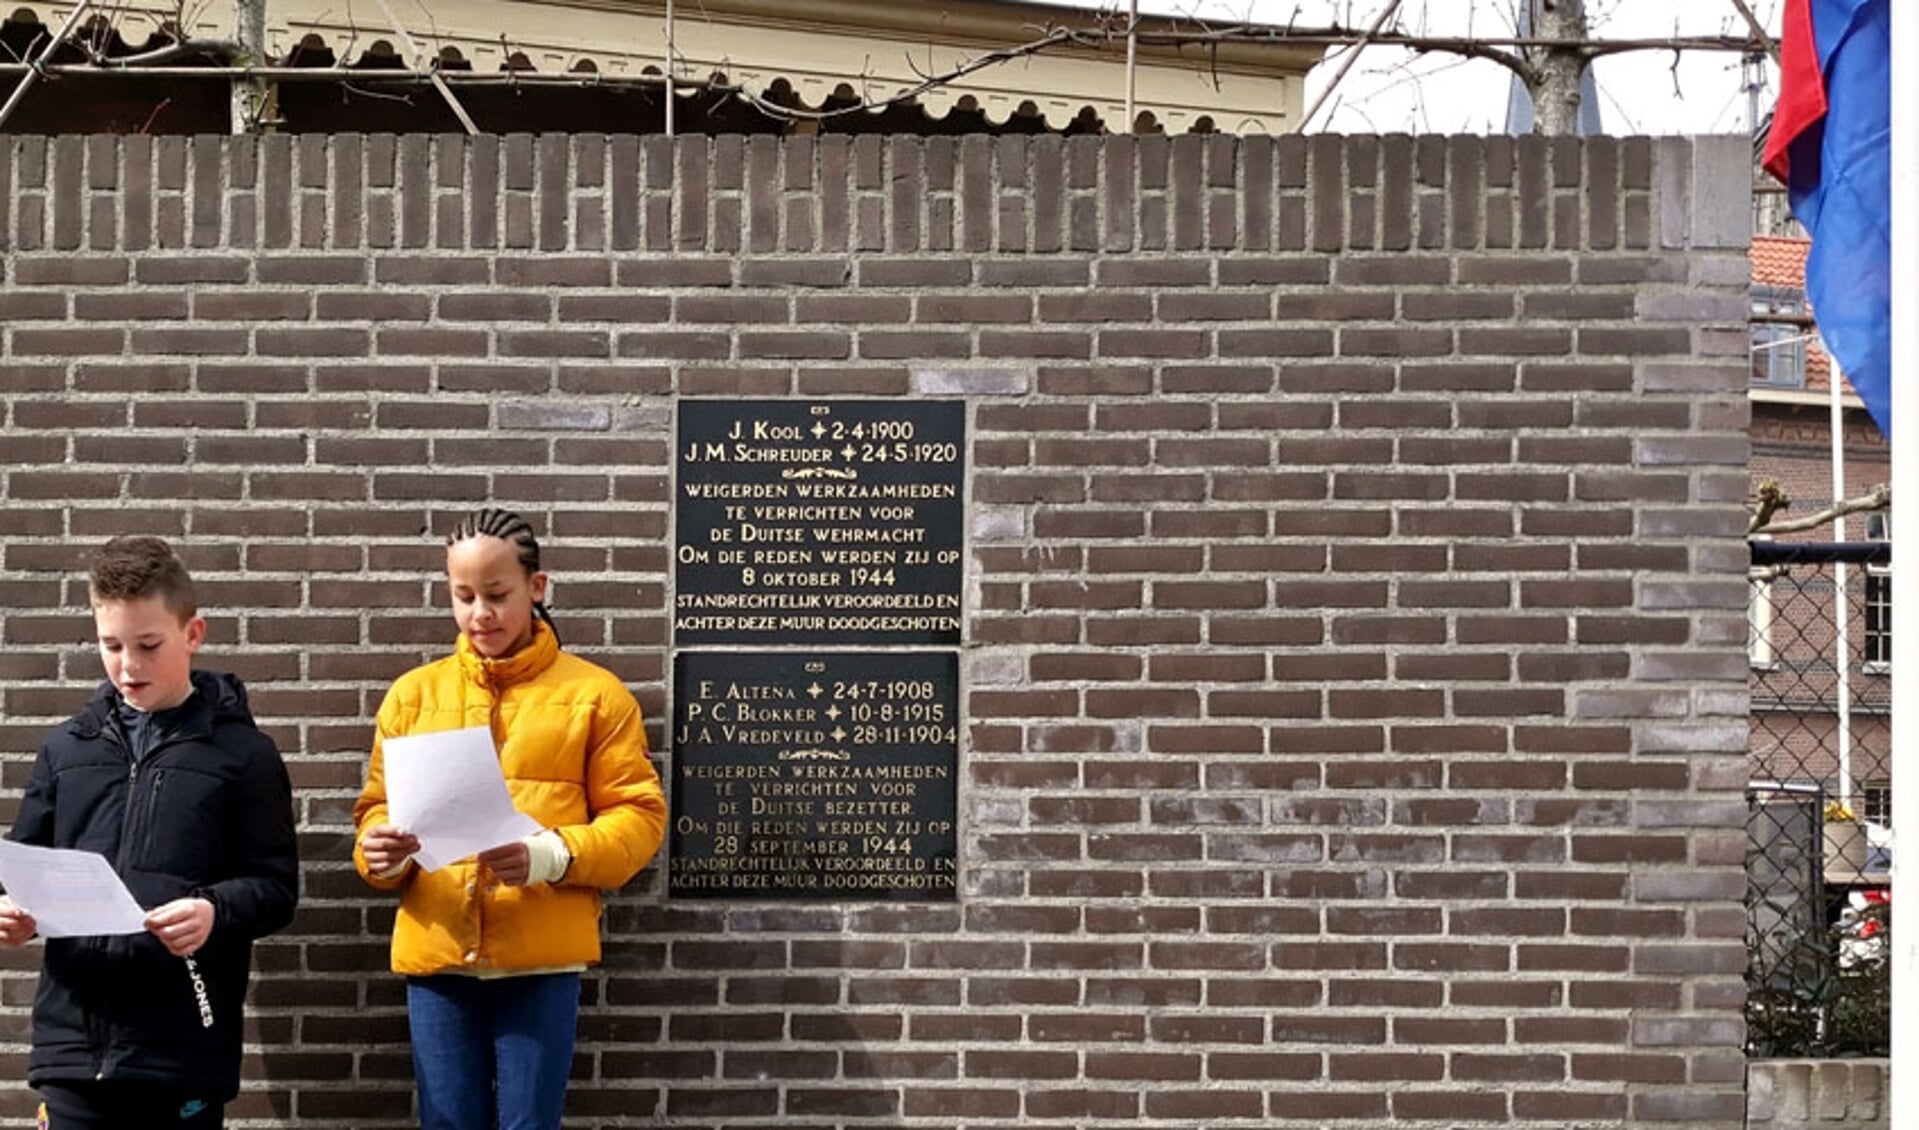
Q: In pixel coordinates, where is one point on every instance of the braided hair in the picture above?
(492, 522)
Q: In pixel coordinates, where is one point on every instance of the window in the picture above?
(1875, 802)
(1878, 648)
(1878, 619)
(1779, 346)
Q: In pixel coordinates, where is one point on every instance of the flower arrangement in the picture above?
(1837, 813)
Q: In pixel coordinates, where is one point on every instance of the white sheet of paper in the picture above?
(70, 893)
(446, 788)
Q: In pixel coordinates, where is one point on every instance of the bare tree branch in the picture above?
(930, 82)
(38, 67)
(1346, 64)
(1758, 29)
(1879, 498)
(1334, 36)
(433, 73)
(1768, 500)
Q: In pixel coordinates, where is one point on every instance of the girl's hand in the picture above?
(512, 863)
(387, 847)
(182, 925)
(16, 925)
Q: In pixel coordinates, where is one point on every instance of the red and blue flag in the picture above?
(1831, 145)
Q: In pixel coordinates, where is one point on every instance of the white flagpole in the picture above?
(1904, 1085)
(1841, 605)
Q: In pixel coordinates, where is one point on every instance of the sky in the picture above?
(1387, 91)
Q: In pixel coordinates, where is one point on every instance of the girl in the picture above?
(493, 946)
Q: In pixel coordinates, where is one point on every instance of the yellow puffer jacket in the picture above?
(573, 750)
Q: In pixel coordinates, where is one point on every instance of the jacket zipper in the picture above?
(117, 735)
(100, 1037)
(149, 798)
(498, 730)
(493, 713)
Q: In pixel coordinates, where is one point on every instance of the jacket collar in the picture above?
(521, 666)
(216, 695)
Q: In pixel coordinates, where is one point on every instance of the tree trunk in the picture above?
(1556, 94)
(249, 95)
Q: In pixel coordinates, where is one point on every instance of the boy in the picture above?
(165, 774)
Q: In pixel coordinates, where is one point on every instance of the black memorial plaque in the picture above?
(815, 775)
(828, 522)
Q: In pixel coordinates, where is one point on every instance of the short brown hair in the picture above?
(133, 568)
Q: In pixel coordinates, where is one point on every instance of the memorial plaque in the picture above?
(828, 522)
(815, 775)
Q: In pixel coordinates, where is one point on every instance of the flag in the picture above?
(1831, 145)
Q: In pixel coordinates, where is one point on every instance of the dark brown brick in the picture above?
(1314, 585)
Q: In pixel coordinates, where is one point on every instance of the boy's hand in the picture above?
(510, 862)
(16, 925)
(386, 847)
(182, 925)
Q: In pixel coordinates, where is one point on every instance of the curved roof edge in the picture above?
(879, 50)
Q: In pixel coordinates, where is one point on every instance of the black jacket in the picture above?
(208, 812)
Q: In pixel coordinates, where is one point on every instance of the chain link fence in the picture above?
(1819, 801)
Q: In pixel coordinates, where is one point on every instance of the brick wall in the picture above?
(1818, 1094)
(1792, 445)
(1353, 678)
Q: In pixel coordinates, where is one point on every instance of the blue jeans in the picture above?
(492, 1054)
